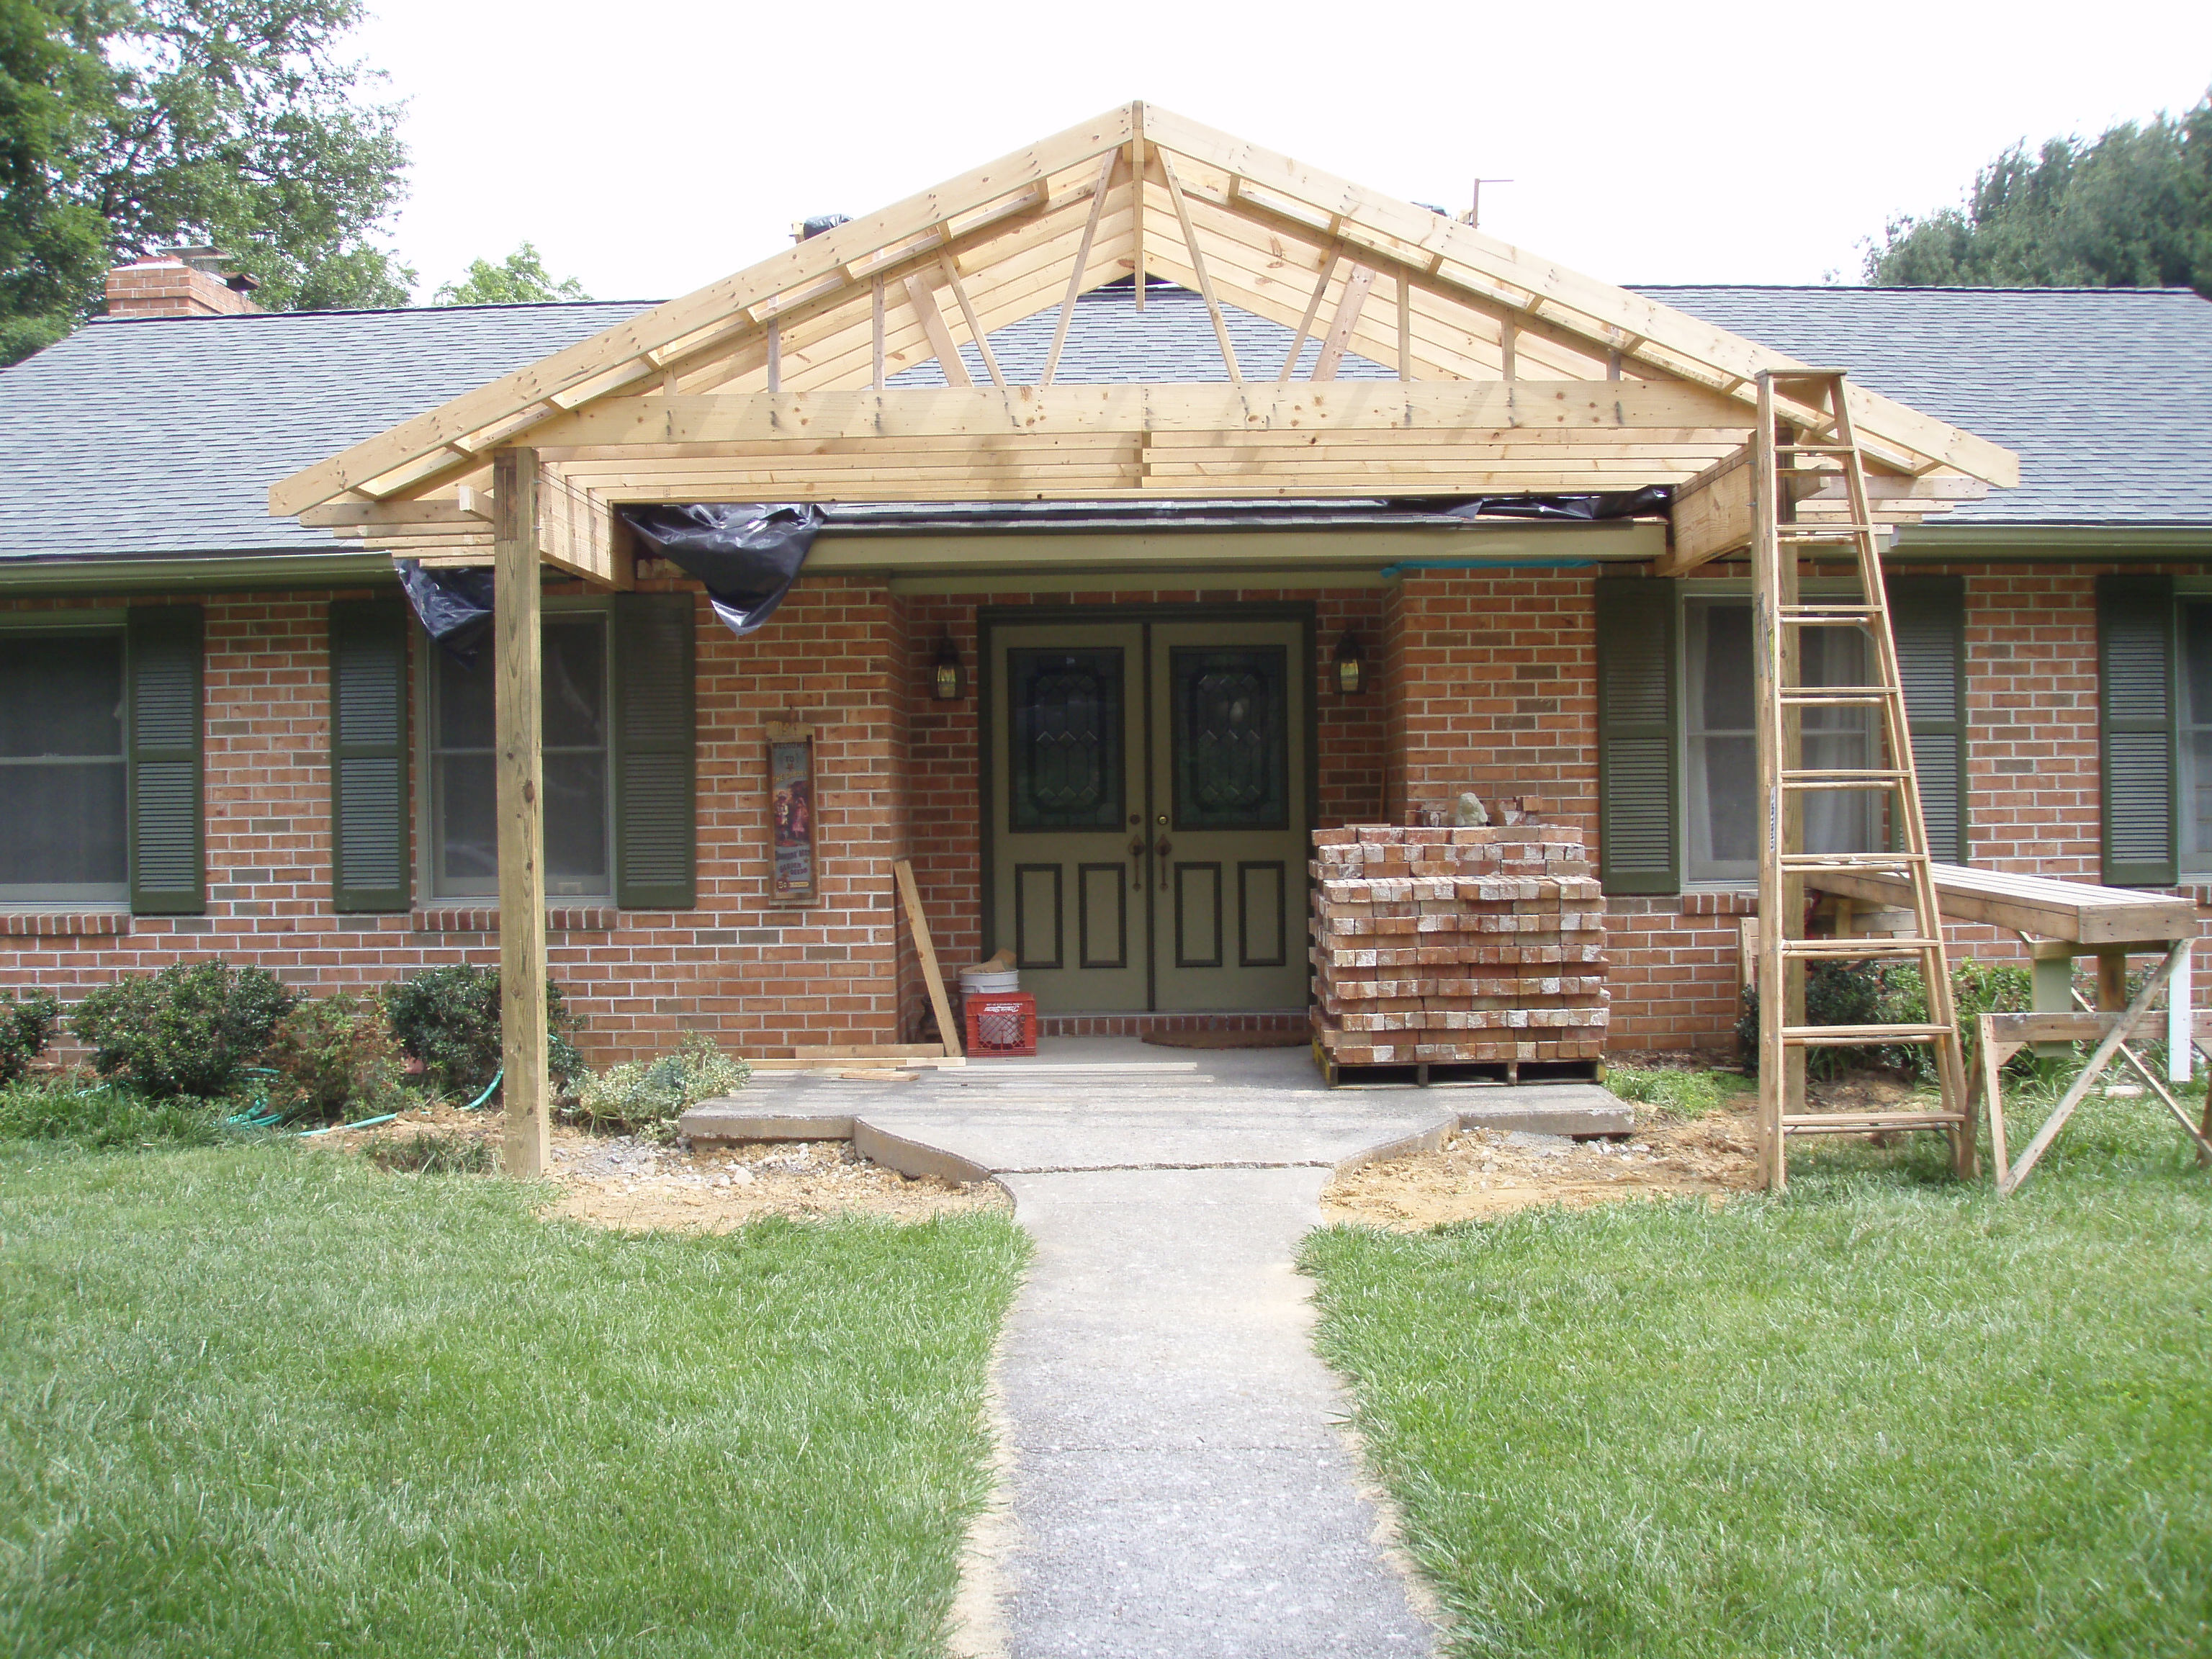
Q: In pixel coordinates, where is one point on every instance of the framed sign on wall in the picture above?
(791, 802)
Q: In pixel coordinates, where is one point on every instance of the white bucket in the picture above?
(973, 984)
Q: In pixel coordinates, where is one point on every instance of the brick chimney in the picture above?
(181, 282)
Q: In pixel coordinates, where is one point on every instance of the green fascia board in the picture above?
(2011, 542)
(65, 577)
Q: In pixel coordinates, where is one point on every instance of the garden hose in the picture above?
(358, 1123)
(488, 1087)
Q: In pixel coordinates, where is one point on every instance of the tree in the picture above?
(127, 126)
(2132, 209)
(521, 280)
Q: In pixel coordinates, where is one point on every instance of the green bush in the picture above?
(185, 1030)
(26, 1025)
(331, 1054)
(103, 1116)
(646, 1097)
(448, 1019)
(424, 1154)
(1889, 993)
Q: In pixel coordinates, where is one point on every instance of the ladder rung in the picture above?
(1822, 532)
(1869, 944)
(1814, 696)
(1816, 449)
(1828, 616)
(1842, 780)
(1895, 863)
(1813, 1036)
(1847, 1123)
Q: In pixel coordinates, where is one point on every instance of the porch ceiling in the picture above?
(1515, 375)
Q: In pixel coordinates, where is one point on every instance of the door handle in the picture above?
(1137, 875)
(1163, 849)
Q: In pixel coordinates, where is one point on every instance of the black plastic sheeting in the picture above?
(1649, 502)
(746, 556)
(454, 606)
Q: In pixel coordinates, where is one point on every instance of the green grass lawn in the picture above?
(260, 1401)
(1884, 1414)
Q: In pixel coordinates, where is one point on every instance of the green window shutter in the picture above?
(2134, 707)
(1638, 738)
(368, 755)
(1927, 617)
(655, 814)
(168, 843)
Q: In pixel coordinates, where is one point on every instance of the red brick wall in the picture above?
(1480, 681)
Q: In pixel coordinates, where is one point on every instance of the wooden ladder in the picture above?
(1830, 447)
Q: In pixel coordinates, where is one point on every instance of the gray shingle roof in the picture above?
(2105, 394)
(160, 437)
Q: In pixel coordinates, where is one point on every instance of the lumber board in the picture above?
(518, 720)
(1711, 515)
(2077, 911)
(923, 299)
(1349, 304)
(918, 924)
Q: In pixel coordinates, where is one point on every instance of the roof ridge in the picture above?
(378, 311)
(1893, 288)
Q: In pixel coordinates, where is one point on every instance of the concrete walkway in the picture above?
(1178, 1486)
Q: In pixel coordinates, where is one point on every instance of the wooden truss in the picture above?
(1516, 375)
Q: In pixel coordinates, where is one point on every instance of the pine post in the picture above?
(519, 718)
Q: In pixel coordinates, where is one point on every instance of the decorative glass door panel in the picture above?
(1148, 812)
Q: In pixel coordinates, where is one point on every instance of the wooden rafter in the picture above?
(1251, 228)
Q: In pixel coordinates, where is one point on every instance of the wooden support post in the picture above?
(1137, 193)
(517, 719)
(1198, 270)
(2112, 981)
(1356, 289)
(1776, 921)
(1404, 327)
(2180, 1005)
(948, 356)
(2051, 981)
(1313, 310)
(974, 323)
(876, 336)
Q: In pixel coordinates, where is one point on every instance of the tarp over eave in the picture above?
(1027, 207)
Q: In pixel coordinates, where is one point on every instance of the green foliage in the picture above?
(66, 1109)
(255, 1403)
(447, 1019)
(127, 128)
(425, 1153)
(1886, 994)
(520, 279)
(2133, 208)
(1678, 1093)
(647, 1096)
(185, 1030)
(334, 1057)
(26, 1025)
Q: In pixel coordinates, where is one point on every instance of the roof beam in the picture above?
(919, 296)
(1348, 307)
(1098, 194)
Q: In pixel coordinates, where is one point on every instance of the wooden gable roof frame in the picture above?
(1514, 375)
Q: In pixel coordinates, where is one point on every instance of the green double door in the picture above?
(1148, 807)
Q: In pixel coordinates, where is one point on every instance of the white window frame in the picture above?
(113, 896)
(428, 830)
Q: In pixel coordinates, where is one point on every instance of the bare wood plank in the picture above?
(1404, 327)
(1082, 262)
(517, 712)
(1137, 190)
(876, 342)
(1348, 305)
(918, 924)
(1306, 322)
(976, 331)
(2076, 911)
(924, 301)
(1198, 269)
(1712, 516)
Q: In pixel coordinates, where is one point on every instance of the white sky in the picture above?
(649, 149)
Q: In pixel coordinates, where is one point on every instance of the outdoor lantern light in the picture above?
(948, 670)
(1351, 667)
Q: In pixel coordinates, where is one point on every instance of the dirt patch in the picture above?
(1489, 1172)
(624, 1182)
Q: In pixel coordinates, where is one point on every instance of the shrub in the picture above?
(331, 1054)
(1877, 993)
(447, 1019)
(646, 1096)
(423, 1153)
(185, 1030)
(105, 1116)
(26, 1025)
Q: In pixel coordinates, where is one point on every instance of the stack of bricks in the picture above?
(1457, 946)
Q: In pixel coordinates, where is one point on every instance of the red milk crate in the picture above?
(1000, 1022)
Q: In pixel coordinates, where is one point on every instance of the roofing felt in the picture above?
(159, 437)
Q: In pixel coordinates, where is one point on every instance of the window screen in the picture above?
(464, 827)
(63, 817)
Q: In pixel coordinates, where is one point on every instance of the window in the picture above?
(464, 815)
(1677, 750)
(1720, 761)
(65, 769)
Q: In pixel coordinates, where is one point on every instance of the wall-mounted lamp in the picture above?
(1351, 667)
(945, 682)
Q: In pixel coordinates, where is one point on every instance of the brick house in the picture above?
(1099, 709)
